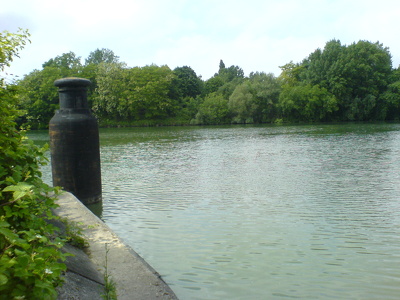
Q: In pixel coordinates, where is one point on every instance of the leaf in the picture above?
(8, 234)
(20, 190)
(4, 224)
(3, 279)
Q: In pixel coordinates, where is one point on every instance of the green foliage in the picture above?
(30, 256)
(242, 104)
(231, 73)
(10, 45)
(112, 84)
(39, 96)
(336, 83)
(66, 62)
(307, 103)
(149, 97)
(74, 234)
(392, 96)
(134, 93)
(346, 83)
(214, 110)
(185, 83)
(357, 75)
(255, 100)
(99, 56)
(212, 85)
(225, 81)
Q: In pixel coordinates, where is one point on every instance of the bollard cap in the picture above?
(72, 82)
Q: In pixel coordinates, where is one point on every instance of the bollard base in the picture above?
(91, 200)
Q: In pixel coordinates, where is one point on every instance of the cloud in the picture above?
(256, 35)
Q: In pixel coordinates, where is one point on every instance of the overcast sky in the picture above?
(256, 35)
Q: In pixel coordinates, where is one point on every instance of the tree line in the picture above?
(337, 83)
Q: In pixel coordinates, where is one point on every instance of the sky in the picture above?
(256, 35)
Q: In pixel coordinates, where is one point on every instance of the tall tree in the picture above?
(186, 88)
(391, 96)
(357, 75)
(92, 62)
(225, 81)
(101, 56)
(112, 85)
(38, 96)
(255, 100)
(186, 83)
(67, 61)
(140, 93)
(221, 66)
(214, 110)
(149, 97)
(367, 71)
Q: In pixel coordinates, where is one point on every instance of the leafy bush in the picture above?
(30, 256)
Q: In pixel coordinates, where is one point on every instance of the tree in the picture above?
(214, 110)
(89, 70)
(149, 92)
(325, 67)
(10, 45)
(367, 73)
(140, 93)
(291, 73)
(67, 62)
(391, 97)
(357, 75)
(221, 66)
(186, 83)
(242, 104)
(39, 97)
(212, 85)
(305, 102)
(225, 81)
(99, 56)
(231, 73)
(185, 88)
(266, 89)
(112, 84)
(255, 99)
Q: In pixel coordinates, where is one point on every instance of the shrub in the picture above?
(30, 255)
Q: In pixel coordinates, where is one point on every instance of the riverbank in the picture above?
(84, 279)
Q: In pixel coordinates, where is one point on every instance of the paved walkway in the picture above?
(133, 277)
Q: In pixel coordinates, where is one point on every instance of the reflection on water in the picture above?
(307, 212)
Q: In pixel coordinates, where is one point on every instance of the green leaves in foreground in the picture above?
(29, 267)
(30, 256)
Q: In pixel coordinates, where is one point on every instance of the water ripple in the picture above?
(309, 212)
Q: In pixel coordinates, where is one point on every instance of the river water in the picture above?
(259, 212)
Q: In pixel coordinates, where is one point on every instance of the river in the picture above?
(259, 212)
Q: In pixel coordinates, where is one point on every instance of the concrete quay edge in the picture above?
(133, 276)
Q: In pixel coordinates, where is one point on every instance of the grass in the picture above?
(73, 234)
(110, 289)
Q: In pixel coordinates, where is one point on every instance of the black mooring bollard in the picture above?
(74, 142)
